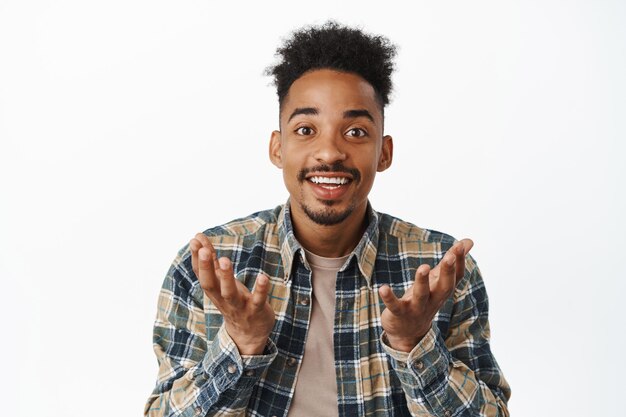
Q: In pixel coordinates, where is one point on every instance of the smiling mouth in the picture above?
(329, 183)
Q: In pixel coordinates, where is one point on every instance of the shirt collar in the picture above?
(364, 252)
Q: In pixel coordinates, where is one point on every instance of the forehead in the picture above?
(331, 91)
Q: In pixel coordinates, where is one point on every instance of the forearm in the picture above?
(222, 381)
(200, 369)
(437, 384)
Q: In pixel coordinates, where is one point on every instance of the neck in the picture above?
(332, 241)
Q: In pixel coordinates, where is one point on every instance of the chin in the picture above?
(327, 216)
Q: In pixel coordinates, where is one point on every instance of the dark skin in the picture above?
(330, 118)
(407, 319)
(248, 317)
(342, 124)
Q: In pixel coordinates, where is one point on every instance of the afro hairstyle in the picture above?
(338, 47)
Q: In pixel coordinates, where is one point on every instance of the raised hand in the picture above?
(248, 317)
(407, 319)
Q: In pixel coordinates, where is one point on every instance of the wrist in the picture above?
(251, 349)
(248, 346)
(403, 344)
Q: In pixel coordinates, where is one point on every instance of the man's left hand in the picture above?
(407, 319)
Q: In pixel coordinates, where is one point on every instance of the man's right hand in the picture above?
(248, 317)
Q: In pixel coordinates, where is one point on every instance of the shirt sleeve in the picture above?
(458, 375)
(199, 375)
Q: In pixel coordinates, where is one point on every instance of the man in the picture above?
(323, 306)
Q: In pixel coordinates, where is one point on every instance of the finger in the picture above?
(421, 287)
(216, 264)
(468, 244)
(205, 242)
(261, 291)
(194, 246)
(206, 271)
(462, 248)
(391, 301)
(203, 239)
(228, 283)
(459, 251)
(444, 284)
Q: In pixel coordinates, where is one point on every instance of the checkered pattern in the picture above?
(451, 372)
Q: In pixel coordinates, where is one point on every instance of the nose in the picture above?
(329, 148)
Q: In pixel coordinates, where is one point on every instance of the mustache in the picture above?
(336, 167)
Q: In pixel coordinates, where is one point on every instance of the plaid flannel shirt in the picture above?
(451, 372)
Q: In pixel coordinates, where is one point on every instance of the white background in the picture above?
(128, 126)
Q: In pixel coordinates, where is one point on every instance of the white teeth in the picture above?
(329, 180)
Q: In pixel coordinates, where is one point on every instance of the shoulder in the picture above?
(234, 239)
(401, 238)
(403, 230)
(416, 245)
(238, 238)
(248, 225)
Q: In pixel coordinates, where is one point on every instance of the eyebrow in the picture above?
(353, 114)
(303, 110)
(348, 114)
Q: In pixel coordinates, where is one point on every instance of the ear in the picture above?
(386, 156)
(275, 149)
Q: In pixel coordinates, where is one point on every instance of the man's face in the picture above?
(330, 146)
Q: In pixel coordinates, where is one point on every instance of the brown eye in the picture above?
(356, 132)
(304, 130)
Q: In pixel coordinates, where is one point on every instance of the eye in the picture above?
(304, 131)
(356, 132)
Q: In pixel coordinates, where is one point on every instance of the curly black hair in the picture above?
(338, 47)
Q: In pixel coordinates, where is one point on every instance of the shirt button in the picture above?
(291, 361)
(232, 369)
(250, 372)
(198, 410)
(419, 365)
(304, 301)
(447, 413)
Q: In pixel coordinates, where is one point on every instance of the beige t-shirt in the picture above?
(316, 386)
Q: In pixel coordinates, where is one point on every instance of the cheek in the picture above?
(290, 173)
(370, 169)
(293, 159)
